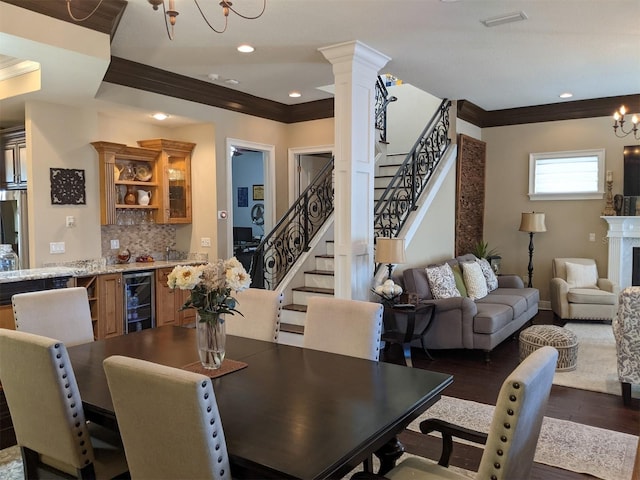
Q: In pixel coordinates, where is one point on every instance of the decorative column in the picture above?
(355, 69)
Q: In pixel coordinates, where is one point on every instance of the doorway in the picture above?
(251, 196)
(305, 164)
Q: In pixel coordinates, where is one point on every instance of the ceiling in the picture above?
(588, 47)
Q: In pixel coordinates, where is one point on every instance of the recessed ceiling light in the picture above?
(245, 48)
(566, 95)
(231, 81)
(295, 94)
(506, 18)
(160, 116)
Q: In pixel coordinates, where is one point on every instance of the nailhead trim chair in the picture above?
(513, 436)
(626, 330)
(47, 414)
(342, 326)
(62, 313)
(260, 317)
(169, 421)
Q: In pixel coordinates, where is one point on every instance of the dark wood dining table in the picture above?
(292, 412)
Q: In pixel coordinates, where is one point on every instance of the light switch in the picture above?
(205, 242)
(71, 221)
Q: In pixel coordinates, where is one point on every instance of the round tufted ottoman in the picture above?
(563, 340)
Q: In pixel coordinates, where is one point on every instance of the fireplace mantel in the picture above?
(623, 236)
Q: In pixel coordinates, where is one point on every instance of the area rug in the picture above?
(597, 368)
(604, 454)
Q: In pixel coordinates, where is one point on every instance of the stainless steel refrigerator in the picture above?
(14, 228)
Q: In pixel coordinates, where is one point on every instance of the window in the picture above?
(577, 175)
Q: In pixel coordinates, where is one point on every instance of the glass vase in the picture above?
(211, 336)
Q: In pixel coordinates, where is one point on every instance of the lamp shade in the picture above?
(390, 250)
(532, 222)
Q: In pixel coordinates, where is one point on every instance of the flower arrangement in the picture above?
(211, 286)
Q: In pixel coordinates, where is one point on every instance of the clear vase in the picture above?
(211, 335)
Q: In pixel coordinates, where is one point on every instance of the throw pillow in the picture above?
(442, 282)
(457, 274)
(582, 276)
(489, 274)
(474, 280)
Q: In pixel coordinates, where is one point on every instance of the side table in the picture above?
(393, 334)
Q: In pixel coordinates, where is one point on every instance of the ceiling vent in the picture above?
(507, 18)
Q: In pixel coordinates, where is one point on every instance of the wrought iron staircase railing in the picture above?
(290, 238)
(401, 195)
(382, 101)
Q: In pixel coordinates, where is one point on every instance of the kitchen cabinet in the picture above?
(6, 317)
(175, 165)
(168, 301)
(120, 167)
(14, 165)
(106, 302)
(158, 170)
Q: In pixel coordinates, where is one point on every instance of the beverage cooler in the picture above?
(139, 301)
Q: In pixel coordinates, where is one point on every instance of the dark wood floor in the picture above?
(479, 381)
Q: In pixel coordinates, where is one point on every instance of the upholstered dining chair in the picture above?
(578, 292)
(168, 420)
(62, 313)
(260, 317)
(47, 414)
(626, 330)
(347, 327)
(513, 435)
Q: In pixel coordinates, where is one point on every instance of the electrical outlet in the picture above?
(115, 244)
(592, 237)
(205, 242)
(56, 247)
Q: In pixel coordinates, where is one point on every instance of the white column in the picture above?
(355, 68)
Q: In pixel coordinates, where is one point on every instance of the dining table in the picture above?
(290, 412)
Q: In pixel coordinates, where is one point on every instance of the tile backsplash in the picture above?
(140, 240)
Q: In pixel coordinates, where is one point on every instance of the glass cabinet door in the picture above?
(178, 174)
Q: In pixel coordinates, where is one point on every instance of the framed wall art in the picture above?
(258, 192)
(67, 186)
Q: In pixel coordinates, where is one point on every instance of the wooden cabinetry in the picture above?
(6, 317)
(175, 165)
(169, 164)
(168, 301)
(106, 303)
(14, 155)
(118, 166)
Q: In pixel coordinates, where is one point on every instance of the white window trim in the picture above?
(599, 195)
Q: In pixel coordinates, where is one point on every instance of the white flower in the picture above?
(184, 277)
(238, 279)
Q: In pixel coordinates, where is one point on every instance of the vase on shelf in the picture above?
(211, 338)
(130, 198)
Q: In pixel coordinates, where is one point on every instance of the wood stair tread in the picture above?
(321, 272)
(296, 307)
(324, 255)
(326, 291)
(290, 328)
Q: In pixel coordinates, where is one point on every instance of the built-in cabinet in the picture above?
(106, 302)
(14, 155)
(168, 302)
(146, 184)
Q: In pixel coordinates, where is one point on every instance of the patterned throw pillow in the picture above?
(489, 275)
(442, 281)
(474, 280)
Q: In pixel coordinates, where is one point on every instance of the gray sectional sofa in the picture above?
(481, 324)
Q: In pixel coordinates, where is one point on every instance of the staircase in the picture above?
(320, 280)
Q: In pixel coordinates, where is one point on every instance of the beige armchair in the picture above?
(626, 330)
(578, 293)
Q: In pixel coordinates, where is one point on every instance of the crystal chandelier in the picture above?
(619, 121)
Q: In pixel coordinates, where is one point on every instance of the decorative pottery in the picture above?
(130, 197)
(143, 173)
(211, 337)
(144, 197)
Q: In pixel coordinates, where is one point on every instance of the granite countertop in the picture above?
(90, 268)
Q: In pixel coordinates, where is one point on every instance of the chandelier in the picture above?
(226, 5)
(619, 121)
(172, 13)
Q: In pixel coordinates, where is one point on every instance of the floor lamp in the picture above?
(532, 222)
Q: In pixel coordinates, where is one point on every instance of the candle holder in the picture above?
(608, 209)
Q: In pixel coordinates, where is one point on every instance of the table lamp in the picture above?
(532, 222)
(390, 251)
